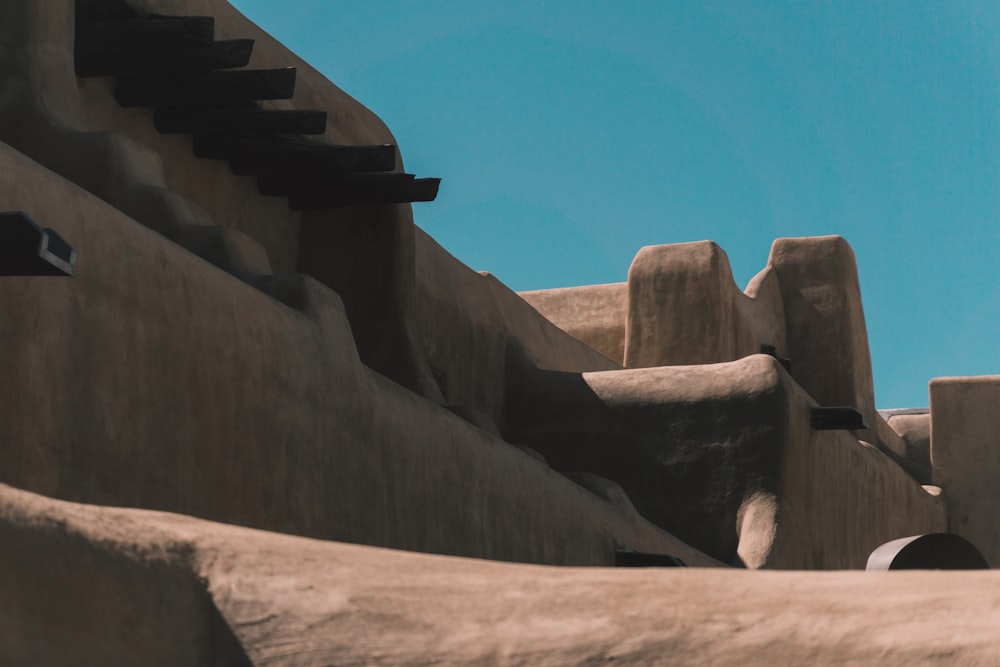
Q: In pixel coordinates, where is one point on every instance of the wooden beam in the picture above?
(208, 89)
(317, 184)
(26, 249)
(238, 122)
(144, 34)
(262, 157)
(226, 54)
(417, 190)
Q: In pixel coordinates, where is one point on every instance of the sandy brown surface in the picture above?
(295, 601)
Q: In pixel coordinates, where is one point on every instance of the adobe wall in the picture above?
(312, 394)
(965, 456)
(198, 593)
(594, 314)
(467, 324)
(723, 456)
(914, 428)
(825, 322)
(683, 307)
(154, 379)
(368, 254)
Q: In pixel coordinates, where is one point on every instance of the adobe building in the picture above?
(253, 415)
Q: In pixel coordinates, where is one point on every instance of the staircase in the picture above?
(197, 86)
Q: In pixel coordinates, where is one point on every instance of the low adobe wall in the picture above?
(681, 306)
(154, 379)
(724, 457)
(594, 314)
(965, 456)
(196, 593)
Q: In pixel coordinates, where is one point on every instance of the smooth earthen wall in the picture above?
(965, 456)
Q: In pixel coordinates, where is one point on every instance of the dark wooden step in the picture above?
(104, 10)
(26, 249)
(417, 190)
(238, 122)
(207, 89)
(226, 54)
(316, 183)
(261, 157)
(144, 34)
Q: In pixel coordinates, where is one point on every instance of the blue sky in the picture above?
(571, 133)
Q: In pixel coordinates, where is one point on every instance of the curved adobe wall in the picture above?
(685, 308)
(186, 588)
(825, 322)
(594, 314)
(723, 456)
(680, 306)
(965, 456)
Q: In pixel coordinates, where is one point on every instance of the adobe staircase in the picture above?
(197, 87)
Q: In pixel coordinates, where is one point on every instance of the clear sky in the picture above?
(570, 133)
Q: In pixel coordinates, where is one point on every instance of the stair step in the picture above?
(104, 10)
(208, 89)
(238, 122)
(227, 54)
(261, 157)
(140, 35)
(403, 192)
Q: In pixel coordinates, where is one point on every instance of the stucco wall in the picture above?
(685, 308)
(122, 587)
(965, 456)
(594, 314)
(154, 379)
(723, 456)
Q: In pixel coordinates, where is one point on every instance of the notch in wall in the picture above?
(626, 558)
(837, 418)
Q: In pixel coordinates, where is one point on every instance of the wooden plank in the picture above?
(208, 89)
(226, 54)
(238, 122)
(271, 157)
(316, 184)
(144, 34)
(418, 190)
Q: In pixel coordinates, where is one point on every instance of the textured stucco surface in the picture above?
(137, 587)
(386, 394)
(593, 313)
